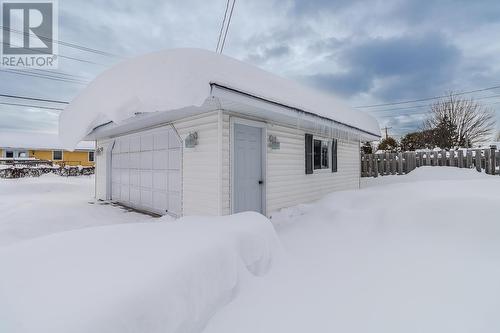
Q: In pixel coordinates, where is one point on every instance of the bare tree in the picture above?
(465, 121)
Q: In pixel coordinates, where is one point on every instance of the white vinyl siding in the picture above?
(200, 181)
(226, 165)
(206, 168)
(102, 159)
(287, 183)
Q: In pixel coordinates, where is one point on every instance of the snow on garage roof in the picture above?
(34, 140)
(180, 78)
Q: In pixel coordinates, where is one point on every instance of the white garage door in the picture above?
(146, 171)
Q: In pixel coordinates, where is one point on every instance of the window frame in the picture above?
(93, 156)
(9, 151)
(328, 142)
(57, 159)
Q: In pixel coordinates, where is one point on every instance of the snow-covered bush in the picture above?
(21, 171)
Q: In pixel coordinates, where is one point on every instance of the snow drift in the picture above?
(155, 277)
(421, 253)
(179, 78)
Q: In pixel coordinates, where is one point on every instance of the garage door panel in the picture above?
(160, 201)
(135, 160)
(124, 161)
(174, 159)
(134, 178)
(161, 140)
(115, 176)
(146, 142)
(135, 195)
(146, 160)
(135, 143)
(115, 161)
(174, 181)
(124, 145)
(146, 171)
(160, 180)
(146, 179)
(115, 190)
(147, 198)
(124, 178)
(124, 192)
(160, 160)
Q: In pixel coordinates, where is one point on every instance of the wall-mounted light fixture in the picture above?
(191, 140)
(273, 142)
(99, 150)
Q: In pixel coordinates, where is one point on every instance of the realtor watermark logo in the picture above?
(29, 34)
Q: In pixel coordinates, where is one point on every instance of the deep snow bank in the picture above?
(155, 277)
(412, 257)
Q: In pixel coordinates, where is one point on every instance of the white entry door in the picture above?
(248, 176)
(146, 171)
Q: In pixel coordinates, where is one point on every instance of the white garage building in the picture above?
(191, 132)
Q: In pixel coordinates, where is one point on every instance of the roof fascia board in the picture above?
(225, 92)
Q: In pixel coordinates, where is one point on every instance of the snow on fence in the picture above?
(10, 168)
(383, 164)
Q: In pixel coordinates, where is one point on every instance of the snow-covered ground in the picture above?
(32, 207)
(421, 253)
(414, 253)
(147, 277)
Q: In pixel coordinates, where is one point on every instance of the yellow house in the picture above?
(43, 146)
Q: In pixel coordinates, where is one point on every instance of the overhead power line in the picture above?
(427, 105)
(68, 57)
(222, 27)
(63, 43)
(421, 113)
(428, 98)
(58, 72)
(34, 99)
(44, 76)
(226, 22)
(227, 27)
(32, 106)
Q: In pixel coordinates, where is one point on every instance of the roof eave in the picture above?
(224, 92)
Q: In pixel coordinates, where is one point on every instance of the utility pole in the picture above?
(385, 129)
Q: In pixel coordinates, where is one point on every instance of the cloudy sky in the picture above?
(368, 52)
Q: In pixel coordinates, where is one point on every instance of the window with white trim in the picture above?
(91, 156)
(9, 154)
(57, 155)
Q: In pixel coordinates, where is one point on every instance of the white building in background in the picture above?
(192, 132)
